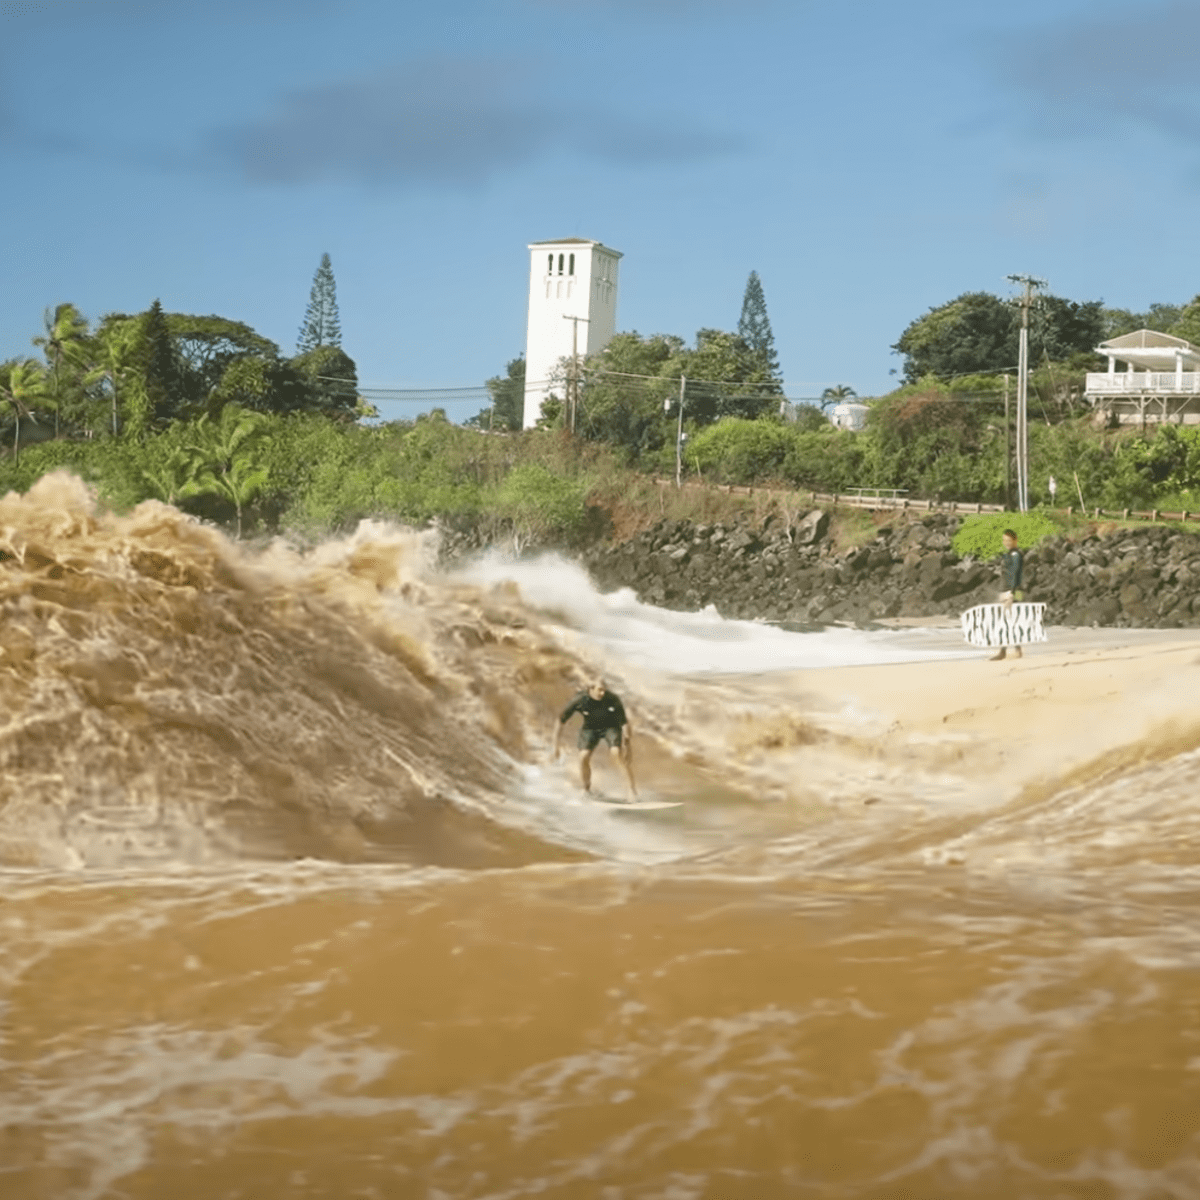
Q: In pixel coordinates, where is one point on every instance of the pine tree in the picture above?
(321, 325)
(162, 373)
(754, 326)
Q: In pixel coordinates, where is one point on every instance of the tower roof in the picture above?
(576, 241)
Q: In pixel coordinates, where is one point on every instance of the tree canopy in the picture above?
(977, 333)
(507, 409)
(632, 387)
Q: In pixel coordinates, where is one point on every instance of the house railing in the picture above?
(1143, 383)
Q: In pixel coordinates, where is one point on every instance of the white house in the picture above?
(572, 310)
(1159, 379)
(849, 415)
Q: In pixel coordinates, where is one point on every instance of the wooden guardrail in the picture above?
(849, 500)
(902, 503)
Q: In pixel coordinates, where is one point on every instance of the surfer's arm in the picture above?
(566, 714)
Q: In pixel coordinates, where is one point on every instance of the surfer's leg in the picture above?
(585, 769)
(622, 757)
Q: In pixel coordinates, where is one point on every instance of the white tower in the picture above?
(571, 278)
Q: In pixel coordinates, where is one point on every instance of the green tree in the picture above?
(754, 327)
(930, 442)
(118, 368)
(167, 465)
(978, 333)
(625, 387)
(207, 346)
(1160, 317)
(332, 380)
(226, 457)
(65, 343)
(1060, 329)
(1187, 324)
(163, 368)
(973, 333)
(507, 391)
(22, 384)
(836, 394)
(726, 377)
(263, 385)
(539, 503)
(321, 324)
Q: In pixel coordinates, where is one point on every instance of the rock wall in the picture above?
(1144, 577)
(1147, 577)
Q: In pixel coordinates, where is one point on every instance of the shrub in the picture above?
(736, 450)
(980, 535)
(540, 504)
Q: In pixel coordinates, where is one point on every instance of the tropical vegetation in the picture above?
(205, 413)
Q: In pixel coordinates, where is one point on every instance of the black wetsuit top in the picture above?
(606, 713)
(1012, 562)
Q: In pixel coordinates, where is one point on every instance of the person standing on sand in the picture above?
(604, 719)
(1012, 563)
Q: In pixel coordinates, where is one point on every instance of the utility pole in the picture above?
(573, 391)
(679, 435)
(678, 430)
(1028, 282)
(1007, 448)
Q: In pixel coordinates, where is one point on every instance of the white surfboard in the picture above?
(994, 625)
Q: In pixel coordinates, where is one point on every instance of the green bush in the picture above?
(539, 503)
(980, 535)
(740, 451)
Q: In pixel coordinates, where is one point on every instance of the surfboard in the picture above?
(638, 805)
(992, 625)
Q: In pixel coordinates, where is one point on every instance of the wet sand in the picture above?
(1079, 695)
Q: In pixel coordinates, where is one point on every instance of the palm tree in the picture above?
(20, 382)
(117, 344)
(65, 339)
(836, 394)
(172, 475)
(224, 458)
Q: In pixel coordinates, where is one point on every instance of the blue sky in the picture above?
(870, 159)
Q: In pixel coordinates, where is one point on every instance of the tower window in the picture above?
(571, 265)
(560, 264)
(550, 265)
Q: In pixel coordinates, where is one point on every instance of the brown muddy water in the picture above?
(293, 904)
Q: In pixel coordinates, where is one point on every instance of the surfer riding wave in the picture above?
(604, 719)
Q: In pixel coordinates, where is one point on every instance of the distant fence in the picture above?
(901, 503)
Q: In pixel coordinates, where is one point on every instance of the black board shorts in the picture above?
(589, 739)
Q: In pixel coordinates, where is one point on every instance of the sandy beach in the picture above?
(1081, 695)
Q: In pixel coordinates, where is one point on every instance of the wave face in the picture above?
(294, 902)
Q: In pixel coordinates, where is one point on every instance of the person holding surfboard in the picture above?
(604, 719)
(1012, 563)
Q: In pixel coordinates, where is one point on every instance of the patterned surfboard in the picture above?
(1004, 624)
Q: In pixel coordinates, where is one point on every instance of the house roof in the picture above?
(1151, 350)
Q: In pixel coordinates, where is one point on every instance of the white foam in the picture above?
(683, 643)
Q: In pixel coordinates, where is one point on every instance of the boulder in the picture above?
(811, 528)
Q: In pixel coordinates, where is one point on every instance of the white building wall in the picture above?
(574, 277)
(849, 416)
